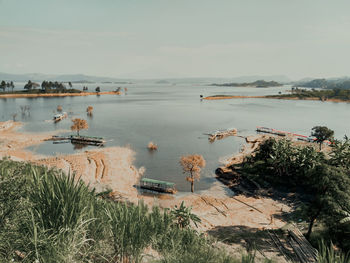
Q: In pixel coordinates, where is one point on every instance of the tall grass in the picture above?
(327, 254)
(46, 216)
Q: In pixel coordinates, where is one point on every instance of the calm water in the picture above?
(175, 118)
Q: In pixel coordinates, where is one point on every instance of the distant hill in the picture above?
(86, 79)
(51, 77)
(334, 83)
(258, 84)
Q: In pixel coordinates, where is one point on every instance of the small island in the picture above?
(256, 84)
(334, 95)
(48, 89)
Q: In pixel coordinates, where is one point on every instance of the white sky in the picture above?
(176, 38)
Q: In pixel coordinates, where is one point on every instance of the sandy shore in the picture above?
(269, 97)
(58, 94)
(113, 168)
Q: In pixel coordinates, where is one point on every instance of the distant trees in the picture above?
(49, 85)
(8, 85)
(3, 85)
(29, 85)
(70, 84)
(192, 164)
(98, 89)
(322, 133)
(78, 125)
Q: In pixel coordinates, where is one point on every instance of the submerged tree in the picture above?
(89, 110)
(79, 124)
(322, 133)
(59, 108)
(192, 164)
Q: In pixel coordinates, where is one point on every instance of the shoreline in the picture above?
(113, 168)
(276, 98)
(11, 95)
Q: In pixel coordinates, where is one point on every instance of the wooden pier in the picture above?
(87, 140)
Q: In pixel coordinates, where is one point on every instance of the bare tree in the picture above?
(192, 164)
(79, 124)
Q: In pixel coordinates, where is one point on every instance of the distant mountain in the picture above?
(37, 77)
(258, 84)
(51, 77)
(332, 83)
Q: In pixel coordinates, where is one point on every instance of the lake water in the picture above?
(174, 117)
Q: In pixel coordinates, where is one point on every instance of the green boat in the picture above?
(157, 185)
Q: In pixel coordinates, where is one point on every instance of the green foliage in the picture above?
(322, 133)
(322, 179)
(327, 254)
(47, 216)
(183, 216)
(323, 94)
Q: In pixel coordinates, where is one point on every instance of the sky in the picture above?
(176, 38)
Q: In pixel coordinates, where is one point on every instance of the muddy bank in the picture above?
(102, 168)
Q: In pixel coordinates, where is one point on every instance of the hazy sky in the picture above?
(177, 38)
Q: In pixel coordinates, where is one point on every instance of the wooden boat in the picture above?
(157, 185)
(88, 140)
(220, 134)
(59, 116)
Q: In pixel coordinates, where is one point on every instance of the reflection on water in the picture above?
(175, 119)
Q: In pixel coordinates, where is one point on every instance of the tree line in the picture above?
(8, 85)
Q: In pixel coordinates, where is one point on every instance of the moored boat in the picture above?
(157, 185)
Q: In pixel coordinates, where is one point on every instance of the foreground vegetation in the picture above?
(46, 216)
(320, 179)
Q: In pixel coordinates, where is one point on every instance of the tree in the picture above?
(192, 164)
(98, 89)
(328, 186)
(3, 85)
(70, 84)
(322, 133)
(12, 85)
(79, 124)
(29, 85)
